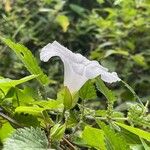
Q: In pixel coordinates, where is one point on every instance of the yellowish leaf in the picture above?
(63, 21)
(8, 6)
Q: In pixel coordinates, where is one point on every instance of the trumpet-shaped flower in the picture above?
(77, 68)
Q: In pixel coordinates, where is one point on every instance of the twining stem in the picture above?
(69, 143)
(10, 119)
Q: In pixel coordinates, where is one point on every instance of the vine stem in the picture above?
(10, 119)
(69, 143)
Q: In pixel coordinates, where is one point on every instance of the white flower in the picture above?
(77, 68)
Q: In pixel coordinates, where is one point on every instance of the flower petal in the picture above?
(77, 68)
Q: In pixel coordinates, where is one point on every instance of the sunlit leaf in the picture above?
(5, 130)
(114, 140)
(100, 1)
(35, 111)
(137, 131)
(28, 60)
(94, 137)
(12, 83)
(63, 21)
(117, 52)
(139, 59)
(50, 104)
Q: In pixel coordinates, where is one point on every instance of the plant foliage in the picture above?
(27, 138)
(100, 116)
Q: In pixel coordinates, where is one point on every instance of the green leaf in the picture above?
(94, 137)
(78, 9)
(141, 133)
(117, 2)
(26, 120)
(5, 130)
(118, 52)
(100, 1)
(57, 131)
(22, 97)
(146, 147)
(130, 137)
(87, 91)
(50, 104)
(114, 141)
(105, 91)
(136, 147)
(27, 139)
(5, 82)
(73, 119)
(100, 113)
(63, 21)
(35, 111)
(139, 59)
(28, 60)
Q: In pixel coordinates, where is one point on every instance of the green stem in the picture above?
(109, 111)
(10, 119)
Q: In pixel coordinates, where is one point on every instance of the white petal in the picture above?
(77, 68)
(94, 69)
(110, 77)
(47, 52)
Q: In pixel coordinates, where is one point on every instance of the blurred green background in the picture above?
(114, 32)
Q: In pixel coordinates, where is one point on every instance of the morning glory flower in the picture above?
(77, 68)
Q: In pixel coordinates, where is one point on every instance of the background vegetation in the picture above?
(114, 32)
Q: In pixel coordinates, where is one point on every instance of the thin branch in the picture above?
(69, 143)
(10, 119)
